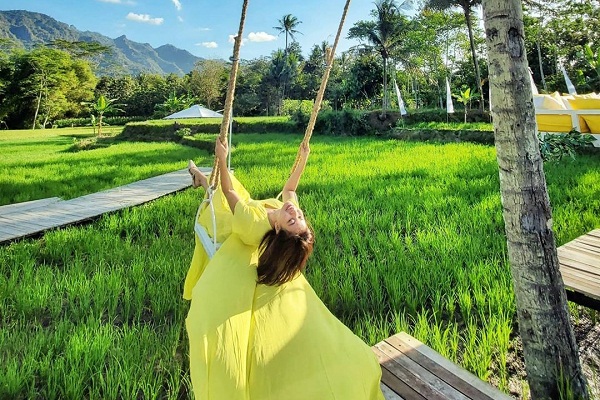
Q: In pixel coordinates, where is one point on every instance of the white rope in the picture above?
(210, 245)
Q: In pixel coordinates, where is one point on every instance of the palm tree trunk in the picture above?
(384, 105)
(549, 344)
(539, 51)
(474, 55)
(39, 101)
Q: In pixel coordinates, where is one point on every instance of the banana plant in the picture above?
(101, 106)
(465, 98)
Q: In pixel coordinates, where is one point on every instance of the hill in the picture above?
(28, 29)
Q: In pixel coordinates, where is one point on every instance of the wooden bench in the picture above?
(411, 370)
(580, 269)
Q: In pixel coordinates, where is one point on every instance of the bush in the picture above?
(174, 130)
(440, 115)
(556, 146)
(445, 135)
(114, 121)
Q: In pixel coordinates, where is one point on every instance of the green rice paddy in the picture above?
(409, 236)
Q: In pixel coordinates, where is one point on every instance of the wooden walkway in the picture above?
(580, 269)
(34, 217)
(413, 371)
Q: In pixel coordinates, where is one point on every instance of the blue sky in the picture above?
(203, 27)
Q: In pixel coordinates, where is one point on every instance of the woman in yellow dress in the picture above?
(256, 328)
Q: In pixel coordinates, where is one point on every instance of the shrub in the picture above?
(556, 146)
(114, 121)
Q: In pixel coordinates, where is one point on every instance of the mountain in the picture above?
(29, 29)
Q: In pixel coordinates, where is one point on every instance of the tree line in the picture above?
(417, 53)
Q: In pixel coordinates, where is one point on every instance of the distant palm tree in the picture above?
(383, 36)
(467, 7)
(288, 25)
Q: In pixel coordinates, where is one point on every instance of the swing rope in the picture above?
(227, 112)
(330, 54)
(210, 244)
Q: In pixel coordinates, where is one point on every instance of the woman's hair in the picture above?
(283, 255)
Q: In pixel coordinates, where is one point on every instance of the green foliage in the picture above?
(166, 130)
(112, 121)
(556, 146)
(290, 107)
(43, 84)
(173, 104)
(102, 106)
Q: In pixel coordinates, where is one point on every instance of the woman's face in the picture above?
(291, 219)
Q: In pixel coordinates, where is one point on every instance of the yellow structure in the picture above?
(556, 113)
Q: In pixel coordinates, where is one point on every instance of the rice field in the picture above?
(409, 237)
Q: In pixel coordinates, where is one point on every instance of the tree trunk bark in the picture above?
(539, 52)
(474, 55)
(39, 101)
(544, 322)
(384, 105)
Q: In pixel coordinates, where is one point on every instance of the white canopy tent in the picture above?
(195, 111)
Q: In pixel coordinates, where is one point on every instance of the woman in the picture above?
(257, 329)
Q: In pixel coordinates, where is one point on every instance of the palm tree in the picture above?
(549, 347)
(288, 25)
(467, 7)
(382, 35)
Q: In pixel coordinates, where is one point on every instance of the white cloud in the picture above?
(177, 4)
(145, 18)
(180, 18)
(261, 37)
(232, 39)
(208, 45)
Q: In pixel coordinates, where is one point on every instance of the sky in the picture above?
(204, 27)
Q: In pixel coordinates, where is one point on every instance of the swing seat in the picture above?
(210, 244)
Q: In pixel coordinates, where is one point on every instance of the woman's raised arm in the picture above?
(289, 189)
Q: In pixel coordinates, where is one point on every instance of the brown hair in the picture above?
(283, 255)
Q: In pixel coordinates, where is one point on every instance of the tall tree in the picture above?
(382, 35)
(208, 81)
(288, 24)
(549, 345)
(467, 8)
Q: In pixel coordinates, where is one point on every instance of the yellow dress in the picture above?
(255, 342)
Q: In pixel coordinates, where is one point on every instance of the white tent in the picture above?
(195, 111)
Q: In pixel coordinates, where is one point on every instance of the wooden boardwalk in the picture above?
(580, 269)
(414, 371)
(34, 217)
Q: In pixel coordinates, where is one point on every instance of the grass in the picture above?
(39, 164)
(409, 237)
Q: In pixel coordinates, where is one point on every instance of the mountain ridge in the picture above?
(29, 29)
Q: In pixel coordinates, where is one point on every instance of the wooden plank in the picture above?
(389, 394)
(438, 385)
(398, 379)
(399, 387)
(580, 283)
(589, 240)
(580, 253)
(28, 205)
(582, 247)
(421, 351)
(578, 270)
(595, 233)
